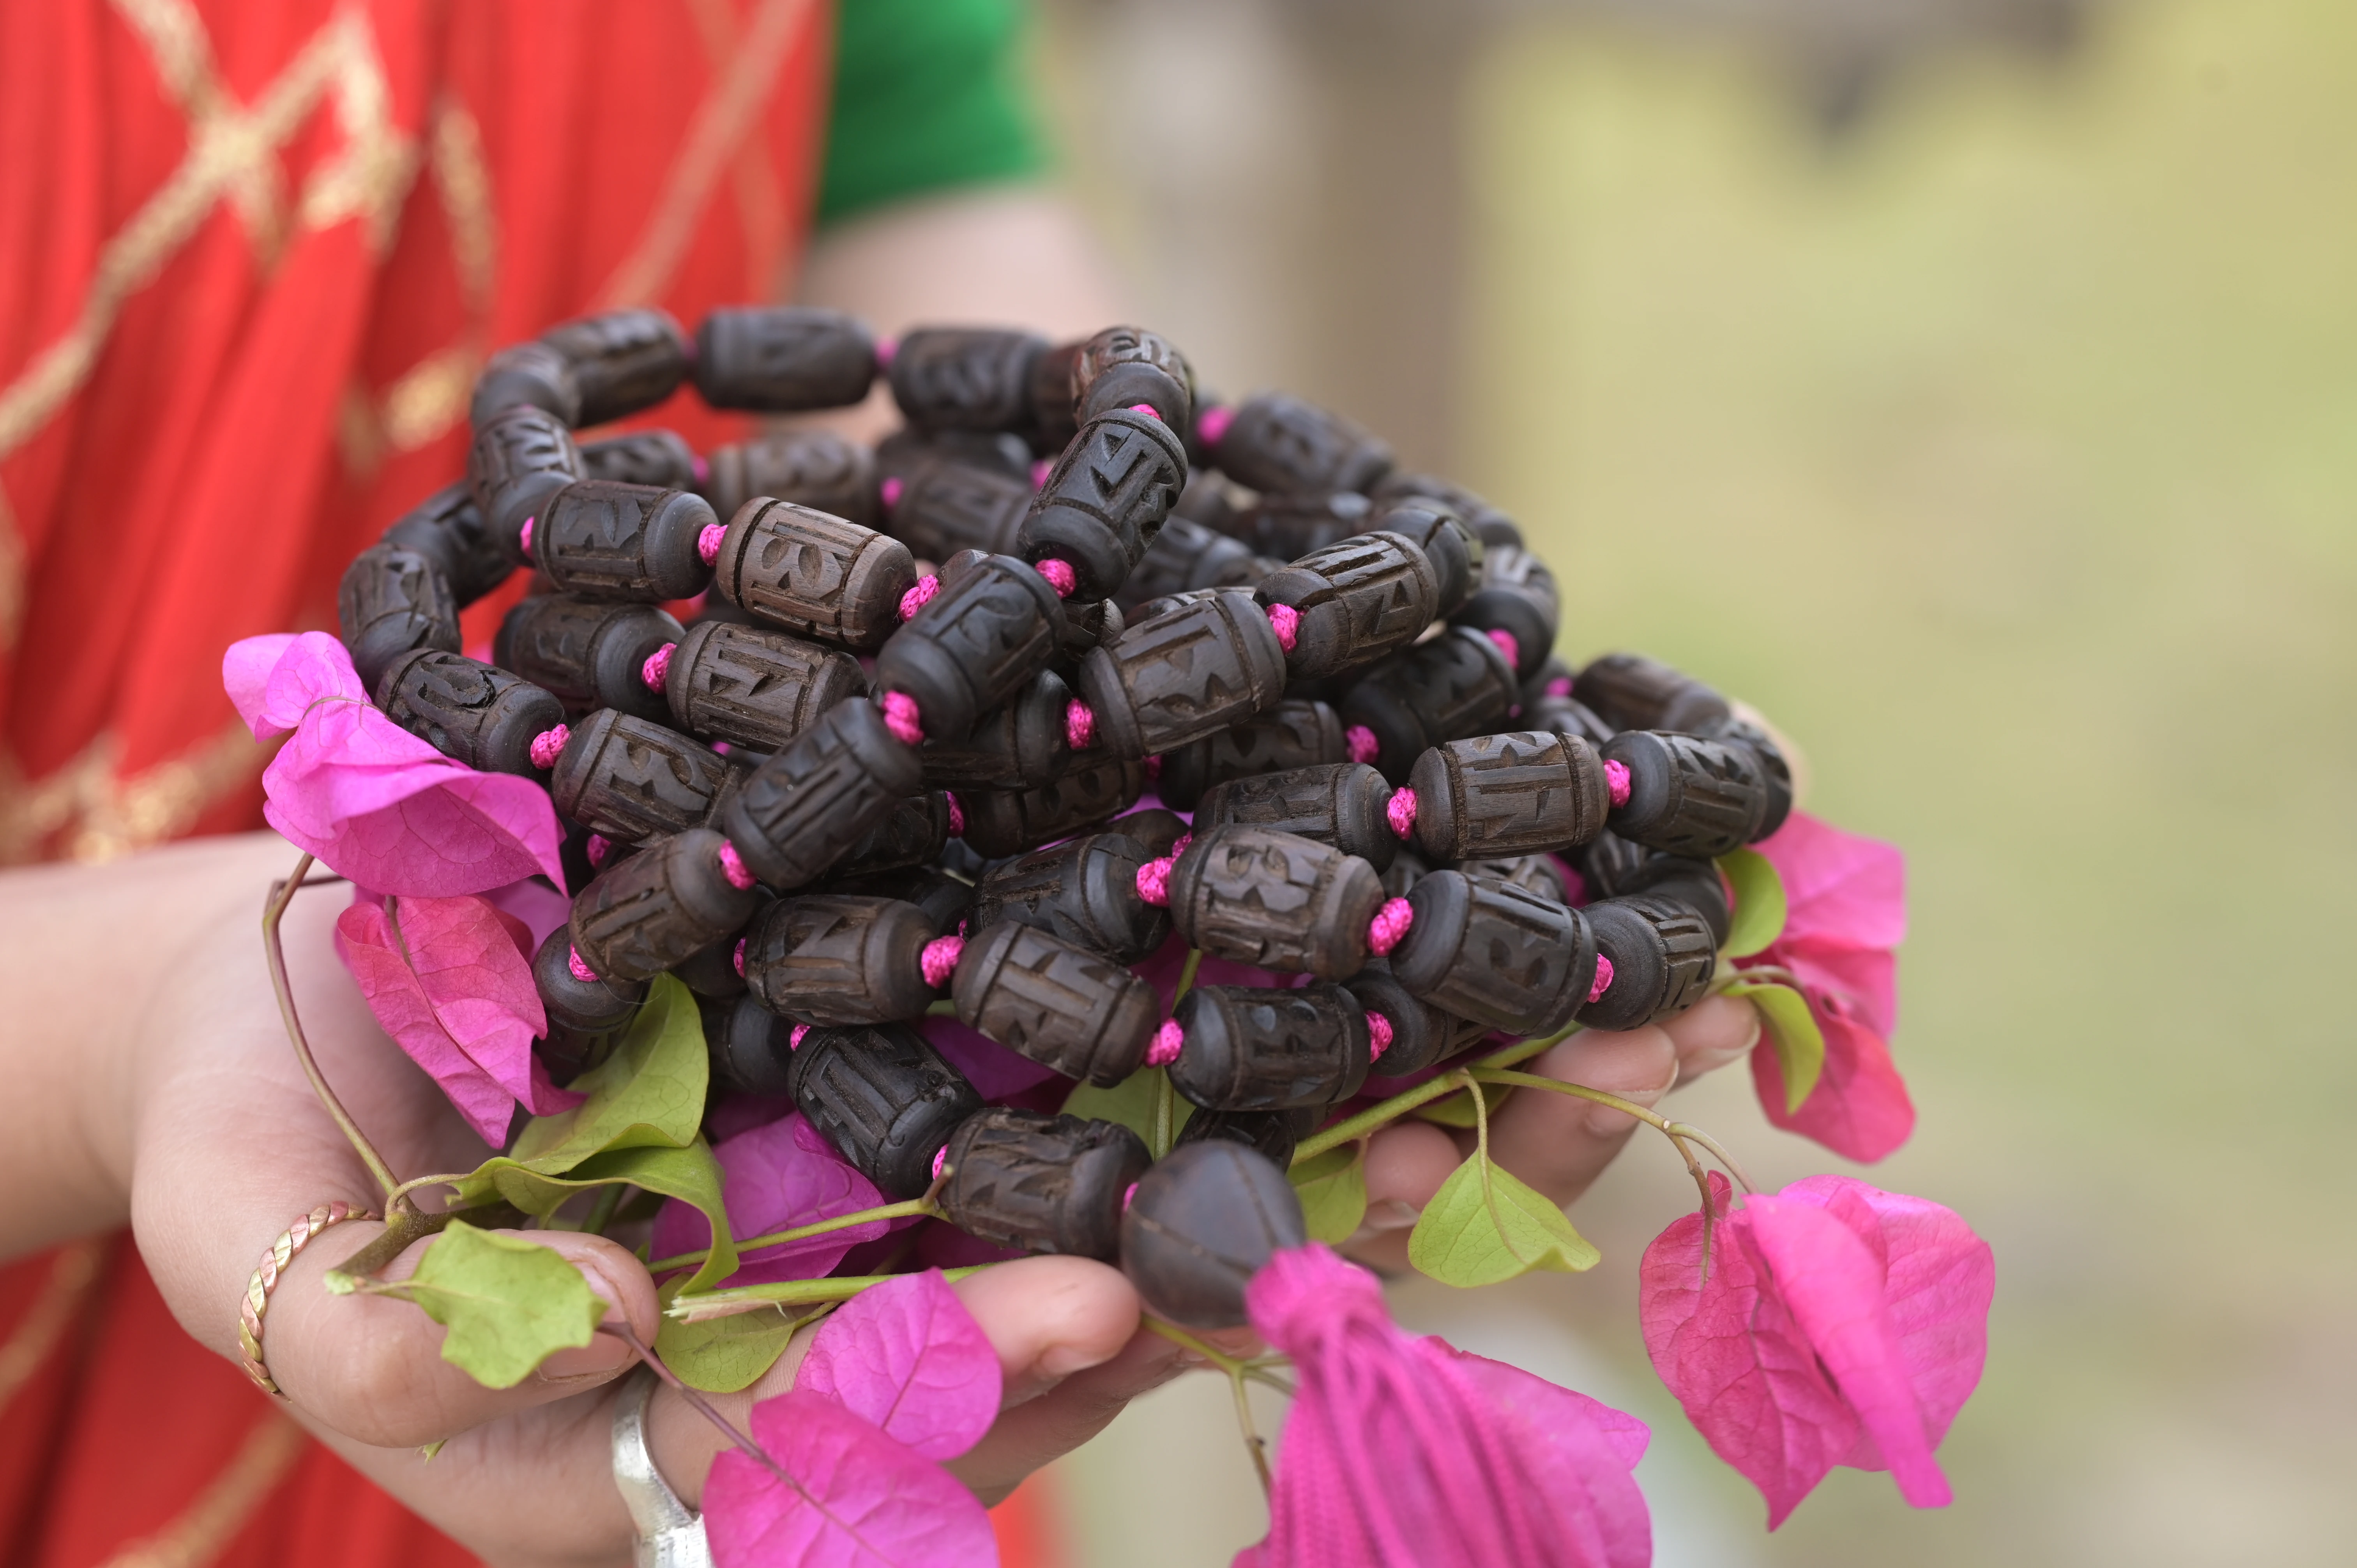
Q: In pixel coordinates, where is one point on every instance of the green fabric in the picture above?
(928, 95)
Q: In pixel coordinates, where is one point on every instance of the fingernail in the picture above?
(1390, 1214)
(1063, 1360)
(599, 1360)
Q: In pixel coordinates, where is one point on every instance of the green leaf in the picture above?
(1132, 1104)
(722, 1355)
(1800, 1044)
(508, 1302)
(1484, 1226)
(1759, 916)
(690, 1175)
(1456, 1110)
(649, 1093)
(1332, 1187)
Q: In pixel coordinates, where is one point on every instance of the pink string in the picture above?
(794, 1041)
(1559, 687)
(1040, 472)
(580, 968)
(721, 749)
(599, 847)
(656, 670)
(939, 960)
(1213, 423)
(1153, 767)
(732, 866)
(941, 1158)
(701, 469)
(890, 492)
(1285, 621)
(919, 597)
(1128, 1197)
(1079, 725)
(1361, 743)
(957, 815)
(1145, 408)
(1390, 924)
(1153, 877)
(1379, 1035)
(900, 718)
(524, 539)
(1060, 575)
(1616, 779)
(739, 958)
(1507, 646)
(707, 541)
(547, 744)
(1603, 978)
(1401, 812)
(1168, 1040)
(885, 349)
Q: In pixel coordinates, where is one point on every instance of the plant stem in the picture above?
(1383, 1114)
(944, 1008)
(696, 1401)
(1237, 1371)
(281, 895)
(408, 1225)
(601, 1212)
(923, 1205)
(703, 1305)
(1187, 974)
(1165, 1111)
(1676, 1131)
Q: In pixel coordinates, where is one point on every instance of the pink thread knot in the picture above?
(1146, 408)
(733, 867)
(547, 744)
(940, 1160)
(599, 847)
(737, 957)
(1285, 621)
(1168, 1040)
(721, 749)
(1603, 978)
(1153, 877)
(885, 349)
(1616, 780)
(1379, 1037)
(656, 670)
(794, 1039)
(524, 538)
(1079, 725)
(1361, 743)
(939, 960)
(1401, 812)
(1507, 646)
(1559, 687)
(579, 966)
(919, 595)
(1040, 472)
(707, 539)
(957, 815)
(1128, 1197)
(1213, 423)
(1390, 924)
(1151, 767)
(891, 491)
(1060, 576)
(900, 718)
(701, 469)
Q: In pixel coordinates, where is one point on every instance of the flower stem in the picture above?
(281, 895)
(703, 1305)
(698, 1403)
(1237, 1371)
(1187, 974)
(601, 1212)
(919, 1206)
(944, 1008)
(1676, 1131)
(1385, 1112)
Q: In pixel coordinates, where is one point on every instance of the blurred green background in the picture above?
(1980, 402)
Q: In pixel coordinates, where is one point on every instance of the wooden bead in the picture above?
(1566, 715)
(1452, 687)
(1775, 772)
(813, 574)
(802, 810)
(1553, 679)
(1289, 527)
(1155, 829)
(1294, 733)
(1406, 869)
(1207, 501)
(531, 375)
(1023, 743)
(1202, 1221)
(825, 958)
(1508, 794)
(884, 1097)
(1186, 556)
(1687, 795)
(944, 897)
(783, 359)
(1061, 1005)
(992, 626)
(1272, 1134)
(447, 529)
(587, 653)
(1123, 366)
(1450, 548)
(1053, 422)
(1662, 958)
(1249, 1048)
(585, 1017)
(1046, 1184)
(1495, 954)
(467, 711)
(1486, 523)
(813, 468)
(1340, 803)
(521, 457)
(1542, 875)
(911, 833)
(392, 601)
(1519, 598)
(1286, 445)
(623, 541)
(632, 780)
(657, 908)
(1000, 823)
(1423, 1034)
(1084, 891)
(1356, 601)
(712, 971)
(750, 1048)
(1104, 502)
(901, 453)
(946, 506)
(662, 458)
(1088, 625)
(1182, 675)
(1275, 899)
(753, 686)
(622, 361)
(958, 378)
(1629, 691)
(1695, 884)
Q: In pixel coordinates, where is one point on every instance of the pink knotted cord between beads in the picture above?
(524, 537)
(1400, 812)
(1128, 1197)
(940, 1161)
(957, 815)
(1152, 768)
(900, 717)
(733, 867)
(1285, 621)
(919, 596)
(1060, 576)
(1603, 978)
(1079, 725)
(1361, 743)
(1559, 687)
(939, 960)
(737, 957)
(1169, 1041)
(656, 670)
(1379, 1035)
(701, 469)
(794, 1039)
(1213, 423)
(707, 540)
(1145, 408)
(1040, 472)
(885, 349)
(891, 491)
(1616, 781)
(1390, 924)
(579, 966)
(1153, 877)
(599, 847)
(1508, 646)
(547, 744)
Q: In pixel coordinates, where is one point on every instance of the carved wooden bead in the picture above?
(1104, 502)
(659, 907)
(1610, 864)
(1023, 743)
(1629, 691)
(957, 378)
(992, 626)
(750, 1048)
(1406, 869)
(1185, 555)
(1687, 795)
(1340, 803)
(946, 506)
(753, 686)
(825, 958)
(1053, 421)
(912, 833)
(1204, 1221)
(1356, 601)
(1287, 446)
(1552, 679)
(1269, 1133)
(1695, 884)
(1775, 772)
(1508, 794)
(1542, 875)
(392, 601)
(529, 374)
(467, 711)
(1454, 554)
(1454, 686)
(519, 457)
(1289, 527)
(1155, 829)
(447, 529)
(1061, 1005)
(884, 1097)
(632, 780)
(1566, 715)
(783, 359)
(712, 971)
(814, 575)
(1662, 958)
(1088, 625)
(901, 453)
(662, 458)
(1486, 523)
(585, 1017)
(1294, 733)
(1249, 1048)
(622, 361)
(1046, 1184)
(589, 653)
(1084, 891)
(1276, 900)
(1423, 1034)
(1123, 366)
(801, 811)
(944, 898)
(1520, 600)
(813, 468)
(1495, 954)
(623, 541)
(1000, 823)
(1182, 675)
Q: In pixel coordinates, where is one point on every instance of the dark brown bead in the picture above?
(1775, 773)
(585, 1017)
(1340, 804)
(1508, 794)
(392, 601)
(1629, 691)
(1287, 446)
(1486, 523)
(1101, 504)
(946, 506)
(1269, 1133)
(1610, 864)
(1662, 957)
(959, 378)
(783, 359)
(1000, 823)
(631, 780)
(992, 626)
(1423, 1034)
(911, 833)
(1686, 795)
(945, 898)
(622, 361)
(1495, 954)
(1155, 829)
(1053, 422)
(716, 970)
(1454, 554)
(1406, 869)
(623, 541)
(1088, 625)
(1122, 367)
(814, 575)
(447, 529)
(1289, 527)
(802, 810)
(1294, 733)
(1550, 681)
(1079, 1012)
(1046, 1184)
(1695, 884)
(752, 686)
(526, 375)
(1204, 1221)
(1182, 675)
(521, 457)
(1023, 743)
(1542, 875)
(1522, 605)
(1454, 686)
(1208, 500)
(1247, 1048)
(467, 711)
(899, 454)
(750, 1048)
(825, 958)
(662, 458)
(1566, 715)
(814, 468)
(588, 653)
(1084, 891)
(1276, 900)
(655, 909)
(1185, 555)
(884, 1097)
(1356, 601)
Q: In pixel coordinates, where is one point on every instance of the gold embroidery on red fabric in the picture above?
(12, 572)
(195, 1537)
(86, 811)
(761, 205)
(71, 1273)
(368, 178)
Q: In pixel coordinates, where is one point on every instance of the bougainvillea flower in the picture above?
(907, 1356)
(1845, 901)
(373, 801)
(776, 1177)
(447, 981)
(1840, 1325)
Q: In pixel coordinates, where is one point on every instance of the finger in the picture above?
(1718, 1030)
(1406, 1163)
(1054, 1422)
(1558, 1144)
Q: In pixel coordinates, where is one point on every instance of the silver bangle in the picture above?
(670, 1533)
